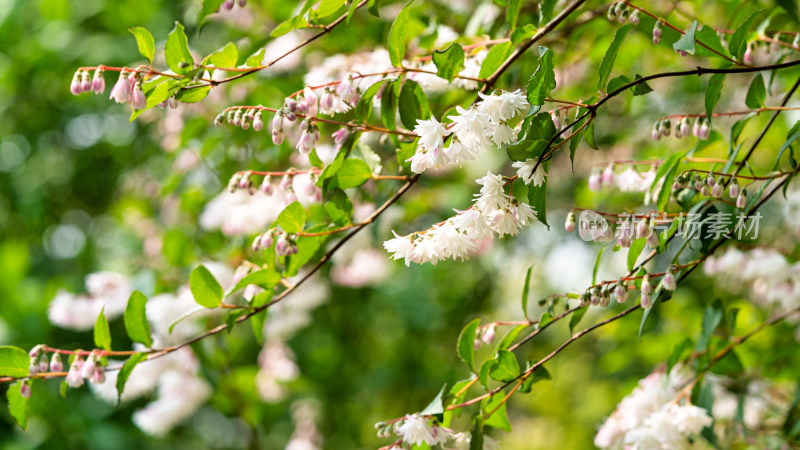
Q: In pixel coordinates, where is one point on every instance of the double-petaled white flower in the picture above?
(527, 174)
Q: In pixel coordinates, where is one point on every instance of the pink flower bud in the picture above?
(99, 376)
(476, 344)
(244, 181)
(86, 82)
(488, 335)
(340, 135)
(327, 101)
(25, 390)
(33, 368)
(741, 200)
(291, 104)
(89, 367)
(43, 365)
(74, 378)
(733, 188)
(310, 188)
(748, 55)
(635, 17)
(620, 293)
(302, 107)
(286, 181)
(237, 118)
(75, 85)
(704, 192)
(684, 128)
(607, 179)
(556, 119)
(641, 228)
(277, 137)
(258, 122)
(646, 301)
(138, 100)
(266, 239)
(290, 197)
(257, 243)
(696, 128)
(98, 82)
(647, 288)
(698, 183)
(55, 363)
(266, 185)
(346, 90)
(282, 245)
(277, 121)
(570, 223)
(242, 3)
(652, 239)
(705, 131)
(594, 182)
(669, 283)
(228, 4)
(716, 190)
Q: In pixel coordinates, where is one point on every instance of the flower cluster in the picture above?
(417, 430)
(621, 12)
(711, 186)
(650, 418)
(494, 212)
(106, 291)
(630, 180)
(701, 128)
(127, 89)
(473, 129)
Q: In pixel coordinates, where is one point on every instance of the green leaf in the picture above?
(547, 8)
(588, 136)
(545, 319)
(257, 323)
(540, 374)
(597, 264)
(678, 353)
(145, 42)
(576, 318)
(193, 95)
(757, 93)
(520, 34)
(364, 107)
(398, 35)
(436, 406)
(543, 79)
(537, 131)
(738, 43)
(512, 13)
(507, 367)
(611, 55)
(206, 290)
(499, 419)
(389, 100)
(292, 23)
(486, 367)
(136, 320)
(176, 51)
(255, 59)
(413, 104)
(494, 59)
(618, 82)
(476, 434)
(707, 36)
(102, 334)
(537, 197)
(712, 317)
(339, 208)
(713, 92)
(525, 288)
(125, 372)
(328, 7)
(641, 88)
(209, 7)
(466, 344)
(14, 362)
(292, 218)
(509, 338)
(353, 173)
(634, 251)
(667, 172)
(790, 7)
(449, 62)
(264, 278)
(226, 57)
(686, 42)
(17, 404)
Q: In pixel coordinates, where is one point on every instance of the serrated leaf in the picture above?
(205, 288)
(14, 361)
(466, 343)
(449, 62)
(687, 41)
(507, 367)
(135, 318)
(543, 79)
(757, 93)
(738, 42)
(611, 55)
(125, 372)
(292, 218)
(176, 51)
(353, 173)
(537, 131)
(145, 42)
(102, 333)
(17, 404)
(398, 35)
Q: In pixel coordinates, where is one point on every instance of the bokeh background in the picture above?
(82, 190)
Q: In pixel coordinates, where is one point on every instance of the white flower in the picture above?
(431, 133)
(526, 173)
(690, 419)
(416, 430)
(424, 159)
(401, 247)
(492, 194)
(503, 134)
(504, 106)
(629, 180)
(470, 127)
(426, 249)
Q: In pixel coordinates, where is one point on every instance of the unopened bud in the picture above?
(569, 225)
(25, 389)
(741, 200)
(669, 283)
(55, 363)
(621, 292)
(488, 335)
(716, 190)
(594, 182)
(607, 179)
(219, 119)
(266, 185)
(646, 288)
(733, 188)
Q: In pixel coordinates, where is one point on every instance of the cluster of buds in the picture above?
(596, 297)
(657, 32)
(229, 4)
(81, 83)
(39, 362)
(308, 137)
(598, 180)
(711, 186)
(620, 12)
(647, 292)
(645, 228)
(485, 336)
(385, 430)
(663, 128)
(128, 89)
(242, 117)
(90, 369)
(242, 180)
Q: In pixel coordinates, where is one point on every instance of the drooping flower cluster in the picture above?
(701, 128)
(127, 89)
(711, 186)
(630, 180)
(473, 129)
(494, 212)
(620, 11)
(650, 418)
